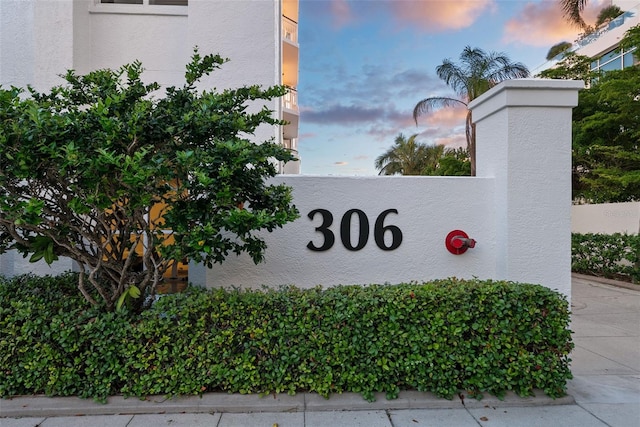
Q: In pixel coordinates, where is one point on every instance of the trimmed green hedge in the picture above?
(614, 256)
(445, 337)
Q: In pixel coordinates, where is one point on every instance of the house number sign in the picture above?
(379, 231)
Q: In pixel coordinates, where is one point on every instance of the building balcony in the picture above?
(291, 114)
(290, 52)
(290, 100)
(290, 64)
(292, 167)
(290, 30)
(606, 35)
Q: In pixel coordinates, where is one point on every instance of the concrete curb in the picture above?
(42, 406)
(611, 282)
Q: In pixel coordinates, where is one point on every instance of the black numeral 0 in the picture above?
(329, 238)
(345, 229)
(379, 230)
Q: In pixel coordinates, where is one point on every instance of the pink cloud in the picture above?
(445, 126)
(444, 117)
(307, 135)
(543, 24)
(453, 141)
(341, 13)
(438, 15)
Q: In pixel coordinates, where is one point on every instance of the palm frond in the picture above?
(509, 70)
(572, 10)
(434, 103)
(453, 75)
(475, 73)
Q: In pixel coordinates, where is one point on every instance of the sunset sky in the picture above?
(365, 64)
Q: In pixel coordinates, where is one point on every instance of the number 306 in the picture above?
(379, 230)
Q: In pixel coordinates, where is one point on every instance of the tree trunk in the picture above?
(471, 142)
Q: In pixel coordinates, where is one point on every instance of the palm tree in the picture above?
(608, 14)
(572, 10)
(557, 49)
(408, 157)
(477, 72)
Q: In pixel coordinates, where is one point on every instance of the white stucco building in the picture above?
(601, 45)
(41, 39)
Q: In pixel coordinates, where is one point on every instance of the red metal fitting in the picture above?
(457, 242)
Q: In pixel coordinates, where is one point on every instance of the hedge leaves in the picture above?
(444, 337)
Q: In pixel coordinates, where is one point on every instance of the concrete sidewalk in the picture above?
(604, 392)
(606, 358)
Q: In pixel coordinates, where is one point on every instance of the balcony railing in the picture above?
(290, 100)
(292, 145)
(289, 30)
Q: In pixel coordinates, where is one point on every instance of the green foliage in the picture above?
(615, 256)
(409, 157)
(454, 162)
(571, 67)
(606, 139)
(126, 299)
(123, 180)
(43, 247)
(608, 14)
(606, 131)
(444, 337)
(631, 39)
(557, 49)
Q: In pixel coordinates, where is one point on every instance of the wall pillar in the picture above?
(523, 130)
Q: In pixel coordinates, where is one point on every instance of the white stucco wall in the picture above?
(161, 44)
(524, 141)
(40, 39)
(17, 54)
(518, 208)
(12, 263)
(248, 33)
(36, 42)
(428, 209)
(606, 218)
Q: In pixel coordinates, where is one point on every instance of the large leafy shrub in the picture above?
(445, 337)
(614, 256)
(606, 129)
(126, 181)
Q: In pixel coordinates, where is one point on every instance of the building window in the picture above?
(613, 60)
(170, 2)
(611, 65)
(628, 59)
(151, 2)
(140, 7)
